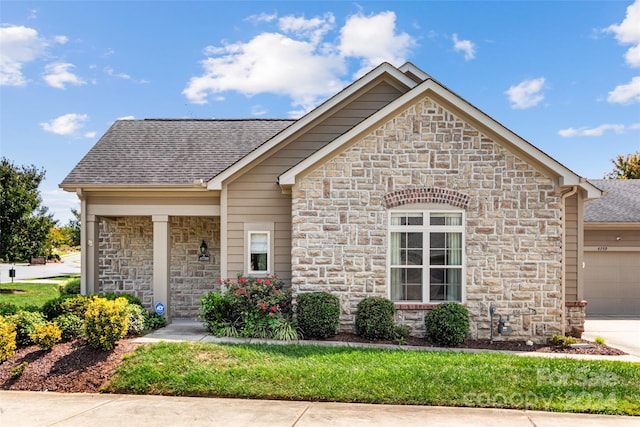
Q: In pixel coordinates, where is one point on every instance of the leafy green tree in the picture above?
(626, 167)
(72, 229)
(24, 223)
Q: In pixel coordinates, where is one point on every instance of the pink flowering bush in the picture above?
(251, 307)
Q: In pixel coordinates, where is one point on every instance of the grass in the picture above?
(34, 294)
(300, 372)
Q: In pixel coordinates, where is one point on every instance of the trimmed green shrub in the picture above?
(25, 322)
(105, 322)
(447, 324)
(72, 326)
(136, 319)
(216, 312)
(562, 341)
(77, 304)
(7, 309)
(154, 320)
(72, 287)
(318, 314)
(7, 339)
(46, 335)
(374, 318)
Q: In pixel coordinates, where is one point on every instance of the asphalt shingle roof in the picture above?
(621, 203)
(170, 151)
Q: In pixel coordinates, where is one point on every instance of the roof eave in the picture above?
(216, 182)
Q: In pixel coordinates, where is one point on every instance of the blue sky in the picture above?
(563, 75)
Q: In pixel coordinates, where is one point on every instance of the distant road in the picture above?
(70, 265)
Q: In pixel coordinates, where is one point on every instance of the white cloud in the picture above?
(526, 94)
(626, 94)
(258, 110)
(18, 45)
(60, 203)
(67, 124)
(374, 40)
(297, 60)
(628, 32)
(262, 17)
(91, 134)
(597, 131)
(124, 76)
(58, 74)
(465, 46)
(61, 39)
(126, 118)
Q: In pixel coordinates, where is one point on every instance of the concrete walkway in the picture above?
(31, 409)
(621, 332)
(19, 409)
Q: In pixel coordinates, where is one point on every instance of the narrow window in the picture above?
(259, 252)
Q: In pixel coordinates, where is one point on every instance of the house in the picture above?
(394, 187)
(612, 249)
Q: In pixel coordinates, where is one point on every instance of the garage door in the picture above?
(612, 282)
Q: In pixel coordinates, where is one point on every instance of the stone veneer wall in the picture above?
(513, 224)
(191, 278)
(125, 257)
(576, 315)
(126, 260)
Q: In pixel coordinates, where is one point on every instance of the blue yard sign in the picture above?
(160, 308)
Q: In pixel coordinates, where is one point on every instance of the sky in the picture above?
(564, 75)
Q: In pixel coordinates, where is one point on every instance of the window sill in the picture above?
(417, 305)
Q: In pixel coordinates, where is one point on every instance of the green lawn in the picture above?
(29, 293)
(300, 372)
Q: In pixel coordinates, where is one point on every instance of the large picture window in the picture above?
(426, 256)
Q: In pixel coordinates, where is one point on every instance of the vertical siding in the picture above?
(571, 250)
(255, 196)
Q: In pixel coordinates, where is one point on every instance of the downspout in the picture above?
(563, 296)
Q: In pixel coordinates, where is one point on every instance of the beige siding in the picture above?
(609, 238)
(571, 249)
(255, 196)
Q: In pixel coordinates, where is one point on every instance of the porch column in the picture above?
(89, 255)
(161, 260)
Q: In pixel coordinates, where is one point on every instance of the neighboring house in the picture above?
(612, 249)
(394, 187)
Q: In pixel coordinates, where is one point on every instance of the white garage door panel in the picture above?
(612, 282)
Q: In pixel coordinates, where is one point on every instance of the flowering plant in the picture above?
(256, 307)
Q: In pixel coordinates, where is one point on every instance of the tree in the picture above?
(626, 167)
(24, 223)
(71, 231)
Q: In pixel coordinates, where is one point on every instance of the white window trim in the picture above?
(263, 228)
(426, 210)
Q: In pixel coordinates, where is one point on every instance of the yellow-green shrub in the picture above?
(105, 322)
(46, 336)
(7, 339)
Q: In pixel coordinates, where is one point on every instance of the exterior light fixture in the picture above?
(204, 252)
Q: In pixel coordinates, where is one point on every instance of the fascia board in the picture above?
(431, 86)
(385, 68)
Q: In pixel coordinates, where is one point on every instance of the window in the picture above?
(259, 256)
(425, 261)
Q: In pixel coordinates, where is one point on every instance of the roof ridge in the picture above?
(217, 120)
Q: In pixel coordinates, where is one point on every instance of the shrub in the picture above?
(105, 322)
(72, 287)
(599, 340)
(562, 341)
(7, 339)
(53, 308)
(318, 314)
(17, 371)
(7, 309)
(216, 311)
(374, 318)
(25, 322)
(136, 319)
(77, 304)
(130, 298)
(154, 320)
(46, 335)
(72, 326)
(447, 324)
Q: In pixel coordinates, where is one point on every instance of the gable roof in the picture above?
(621, 202)
(383, 71)
(169, 152)
(431, 87)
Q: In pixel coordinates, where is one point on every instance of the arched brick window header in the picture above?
(426, 195)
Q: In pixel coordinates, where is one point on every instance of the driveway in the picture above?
(70, 265)
(622, 332)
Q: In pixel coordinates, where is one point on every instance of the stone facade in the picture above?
(427, 157)
(576, 315)
(126, 260)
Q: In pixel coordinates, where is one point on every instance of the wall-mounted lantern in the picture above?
(204, 252)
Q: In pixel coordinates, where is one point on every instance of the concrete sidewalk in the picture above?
(31, 409)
